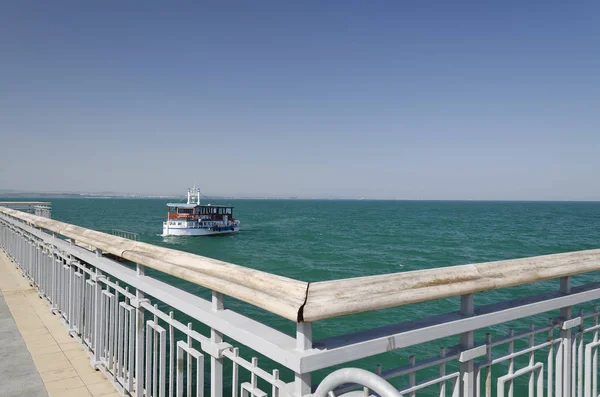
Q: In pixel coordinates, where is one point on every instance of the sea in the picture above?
(316, 240)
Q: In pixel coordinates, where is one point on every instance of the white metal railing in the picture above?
(151, 338)
(39, 208)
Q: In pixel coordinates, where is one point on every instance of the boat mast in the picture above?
(189, 196)
(198, 196)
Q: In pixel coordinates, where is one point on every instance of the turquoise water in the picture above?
(322, 240)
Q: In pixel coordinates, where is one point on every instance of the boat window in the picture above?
(172, 210)
(214, 210)
(185, 210)
(220, 211)
(228, 211)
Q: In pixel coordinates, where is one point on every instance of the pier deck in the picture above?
(37, 356)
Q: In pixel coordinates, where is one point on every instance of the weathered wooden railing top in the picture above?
(302, 301)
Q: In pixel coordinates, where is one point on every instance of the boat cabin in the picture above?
(181, 211)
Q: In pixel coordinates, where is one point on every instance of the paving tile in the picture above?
(76, 354)
(57, 374)
(71, 345)
(101, 388)
(90, 376)
(64, 384)
(51, 361)
(78, 392)
(39, 340)
(44, 349)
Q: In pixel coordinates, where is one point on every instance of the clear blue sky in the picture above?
(430, 100)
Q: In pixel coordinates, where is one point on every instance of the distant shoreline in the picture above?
(26, 195)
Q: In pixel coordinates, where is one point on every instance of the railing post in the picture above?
(566, 336)
(97, 314)
(216, 364)
(302, 382)
(139, 337)
(467, 341)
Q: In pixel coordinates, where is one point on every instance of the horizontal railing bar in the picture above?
(349, 347)
(177, 325)
(261, 373)
(518, 353)
(118, 288)
(406, 369)
(430, 382)
(520, 335)
(592, 328)
(524, 370)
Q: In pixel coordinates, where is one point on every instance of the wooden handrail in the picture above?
(277, 294)
(329, 299)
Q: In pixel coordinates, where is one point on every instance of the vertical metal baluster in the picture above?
(179, 371)
(104, 315)
(171, 352)
(274, 388)
(120, 341)
(97, 320)
(71, 294)
(566, 339)
(216, 364)
(412, 376)
(109, 327)
(531, 358)
(155, 354)
(511, 362)
(573, 367)
(200, 376)
(467, 341)
(580, 358)
(162, 390)
(139, 339)
(131, 344)
(235, 373)
(302, 382)
(488, 369)
(595, 356)
(149, 379)
(253, 380)
(115, 328)
(189, 361)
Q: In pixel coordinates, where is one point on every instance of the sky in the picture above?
(396, 100)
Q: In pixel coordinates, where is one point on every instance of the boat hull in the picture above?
(198, 231)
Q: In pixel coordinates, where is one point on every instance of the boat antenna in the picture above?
(198, 196)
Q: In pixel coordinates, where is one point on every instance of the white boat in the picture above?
(194, 219)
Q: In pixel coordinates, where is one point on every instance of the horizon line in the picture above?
(116, 195)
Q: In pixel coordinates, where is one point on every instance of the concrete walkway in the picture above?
(18, 374)
(37, 356)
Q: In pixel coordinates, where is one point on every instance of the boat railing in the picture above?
(125, 234)
(152, 338)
